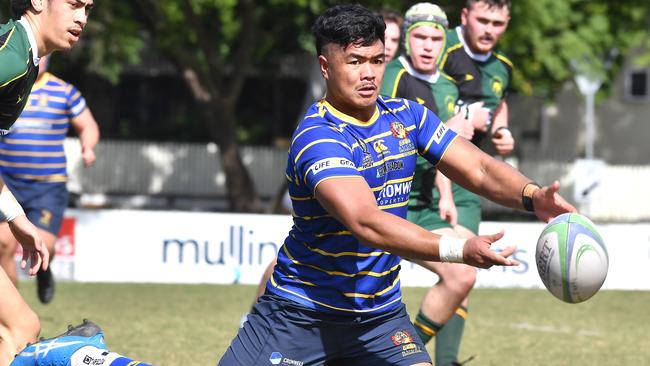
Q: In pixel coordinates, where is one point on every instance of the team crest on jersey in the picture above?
(398, 130)
(450, 104)
(403, 338)
(497, 86)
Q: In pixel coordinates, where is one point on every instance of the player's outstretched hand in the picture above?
(477, 252)
(34, 249)
(548, 203)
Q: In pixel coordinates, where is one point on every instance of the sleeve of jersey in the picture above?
(322, 153)
(434, 137)
(76, 102)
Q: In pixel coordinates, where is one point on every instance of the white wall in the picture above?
(144, 246)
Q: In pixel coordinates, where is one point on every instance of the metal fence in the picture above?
(190, 176)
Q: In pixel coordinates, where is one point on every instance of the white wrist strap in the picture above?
(9, 207)
(451, 249)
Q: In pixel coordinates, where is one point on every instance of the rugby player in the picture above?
(334, 296)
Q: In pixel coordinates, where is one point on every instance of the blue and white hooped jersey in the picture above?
(34, 148)
(321, 264)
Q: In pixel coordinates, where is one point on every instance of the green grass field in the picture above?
(193, 324)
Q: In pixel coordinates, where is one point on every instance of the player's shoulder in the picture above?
(388, 104)
(393, 75)
(316, 124)
(503, 58)
(452, 39)
(446, 79)
(402, 108)
(394, 66)
(53, 80)
(13, 54)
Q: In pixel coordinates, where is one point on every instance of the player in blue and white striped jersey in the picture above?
(33, 163)
(334, 297)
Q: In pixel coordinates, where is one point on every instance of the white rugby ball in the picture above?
(571, 258)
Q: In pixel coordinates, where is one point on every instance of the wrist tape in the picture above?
(9, 207)
(451, 249)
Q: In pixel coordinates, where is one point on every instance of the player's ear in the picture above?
(37, 5)
(324, 66)
(464, 14)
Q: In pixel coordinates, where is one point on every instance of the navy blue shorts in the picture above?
(282, 332)
(44, 203)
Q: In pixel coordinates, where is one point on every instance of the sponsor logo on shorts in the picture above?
(330, 163)
(93, 361)
(46, 218)
(277, 359)
(409, 347)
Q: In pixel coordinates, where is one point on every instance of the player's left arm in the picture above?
(475, 170)
(88, 131)
(502, 137)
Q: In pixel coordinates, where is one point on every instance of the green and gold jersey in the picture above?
(17, 72)
(437, 92)
(479, 77)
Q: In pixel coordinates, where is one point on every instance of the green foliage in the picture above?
(546, 37)
(543, 37)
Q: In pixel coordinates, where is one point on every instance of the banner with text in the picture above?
(191, 247)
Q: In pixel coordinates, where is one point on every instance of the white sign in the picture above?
(188, 247)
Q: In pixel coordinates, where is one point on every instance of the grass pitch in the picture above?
(193, 324)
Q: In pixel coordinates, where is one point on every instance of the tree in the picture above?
(216, 44)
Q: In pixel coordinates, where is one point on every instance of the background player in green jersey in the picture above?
(482, 75)
(35, 168)
(415, 76)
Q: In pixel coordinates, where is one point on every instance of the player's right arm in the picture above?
(352, 203)
(34, 250)
(322, 161)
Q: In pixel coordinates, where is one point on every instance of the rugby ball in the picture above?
(571, 258)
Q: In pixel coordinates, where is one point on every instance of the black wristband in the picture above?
(527, 196)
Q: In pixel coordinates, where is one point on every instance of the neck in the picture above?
(362, 114)
(34, 23)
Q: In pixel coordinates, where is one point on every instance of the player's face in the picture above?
(484, 25)
(391, 40)
(426, 43)
(353, 75)
(62, 22)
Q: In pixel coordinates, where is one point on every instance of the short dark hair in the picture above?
(391, 16)
(490, 3)
(348, 24)
(19, 8)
